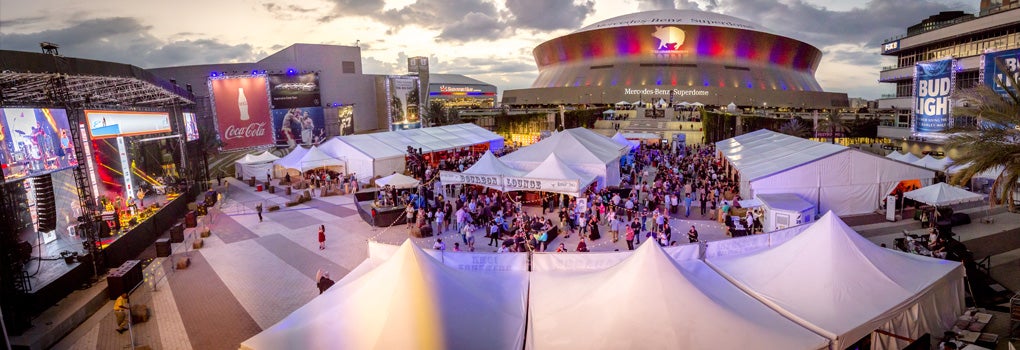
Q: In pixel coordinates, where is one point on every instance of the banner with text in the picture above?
(513, 183)
(294, 91)
(241, 107)
(1010, 61)
(933, 87)
(455, 178)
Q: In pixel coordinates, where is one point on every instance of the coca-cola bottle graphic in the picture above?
(242, 104)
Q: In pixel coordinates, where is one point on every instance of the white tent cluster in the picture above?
(566, 162)
(303, 159)
(383, 153)
(841, 179)
(822, 287)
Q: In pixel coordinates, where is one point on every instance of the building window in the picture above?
(348, 67)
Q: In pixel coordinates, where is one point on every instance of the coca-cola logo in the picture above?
(252, 130)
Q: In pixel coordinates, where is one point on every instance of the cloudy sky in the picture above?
(489, 40)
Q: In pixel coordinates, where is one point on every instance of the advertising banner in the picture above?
(241, 107)
(403, 96)
(933, 86)
(34, 141)
(190, 126)
(455, 178)
(109, 124)
(1010, 60)
(346, 118)
(294, 91)
(305, 126)
(511, 183)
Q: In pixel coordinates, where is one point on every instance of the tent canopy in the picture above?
(441, 138)
(488, 164)
(679, 305)
(909, 158)
(933, 163)
(764, 152)
(838, 283)
(942, 194)
(263, 157)
(397, 180)
(410, 301)
(622, 103)
(304, 159)
(992, 173)
(623, 141)
(784, 201)
(576, 145)
(555, 169)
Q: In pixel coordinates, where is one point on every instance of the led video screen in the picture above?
(108, 124)
(34, 141)
(190, 127)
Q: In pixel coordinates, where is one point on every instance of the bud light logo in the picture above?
(933, 89)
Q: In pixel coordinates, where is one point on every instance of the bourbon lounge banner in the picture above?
(933, 87)
(513, 183)
(455, 178)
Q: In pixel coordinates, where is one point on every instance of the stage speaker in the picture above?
(45, 203)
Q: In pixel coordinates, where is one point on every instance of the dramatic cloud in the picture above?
(473, 26)
(126, 40)
(549, 14)
(344, 8)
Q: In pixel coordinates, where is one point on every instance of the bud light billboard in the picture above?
(241, 107)
(933, 87)
(1010, 61)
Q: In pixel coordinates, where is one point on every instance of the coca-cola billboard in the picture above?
(241, 108)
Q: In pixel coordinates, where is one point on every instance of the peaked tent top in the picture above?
(554, 168)
(678, 290)
(942, 194)
(933, 163)
(843, 280)
(488, 164)
(404, 295)
(397, 180)
(262, 157)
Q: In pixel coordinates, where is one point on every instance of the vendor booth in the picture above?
(303, 159)
(782, 210)
(586, 152)
(257, 165)
(399, 181)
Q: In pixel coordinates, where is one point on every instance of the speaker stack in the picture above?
(45, 207)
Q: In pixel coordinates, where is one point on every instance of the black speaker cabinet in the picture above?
(163, 247)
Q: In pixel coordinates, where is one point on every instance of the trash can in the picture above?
(258, 188)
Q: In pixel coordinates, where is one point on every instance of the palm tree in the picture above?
(994, 140)
(795, 128)
(833, 122)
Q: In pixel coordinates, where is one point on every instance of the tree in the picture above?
(994, 140)
(795, 128)
(833, 122)
(437, 114)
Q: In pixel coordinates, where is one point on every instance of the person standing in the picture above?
(687, 205)
(122, 309)
(322, 237)
(704, 200)
(635, 227)
(258, 210)
(630, 238)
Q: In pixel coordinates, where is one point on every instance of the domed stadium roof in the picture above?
(676, 17)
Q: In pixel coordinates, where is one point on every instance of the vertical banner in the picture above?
(1010, 60)
(295, 90)
(125, 168)
(345, 114)
(190, 126)
(241, 107)
(933, 86)
(305, 126)
(403, 96)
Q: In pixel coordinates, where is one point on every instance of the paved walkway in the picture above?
(252, 274)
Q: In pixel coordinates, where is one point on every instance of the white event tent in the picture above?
(933, 163)
(554, 168)
(409, 301)
(303, 159)
(257, 165)
(844, 180)
(383, 153)
(623, 141)
(650, 301)
(942, 194)
(488, 164)
(586, 152)
(837, 283)
(397, 180)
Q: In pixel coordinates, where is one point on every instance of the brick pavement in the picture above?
(213, 318)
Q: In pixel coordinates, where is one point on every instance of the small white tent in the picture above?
(410, 301)
(397, 180)
(650, 301)
(257, 165)
(894, 155)
(586, 152)
(909, 158)
(843, 286)
(623, 141)
(488, 164)
(304, 159)
(553, 168)
(942, 194)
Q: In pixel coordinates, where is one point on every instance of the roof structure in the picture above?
(31, 78)
(394, 143)
(765, 152)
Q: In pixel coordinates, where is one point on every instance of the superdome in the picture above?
(675, 17)
(680, 55)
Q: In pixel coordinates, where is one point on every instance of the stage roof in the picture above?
(29, 78)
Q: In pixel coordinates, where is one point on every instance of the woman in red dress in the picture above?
(322, 237)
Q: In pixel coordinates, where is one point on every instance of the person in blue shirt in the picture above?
(687, 205)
